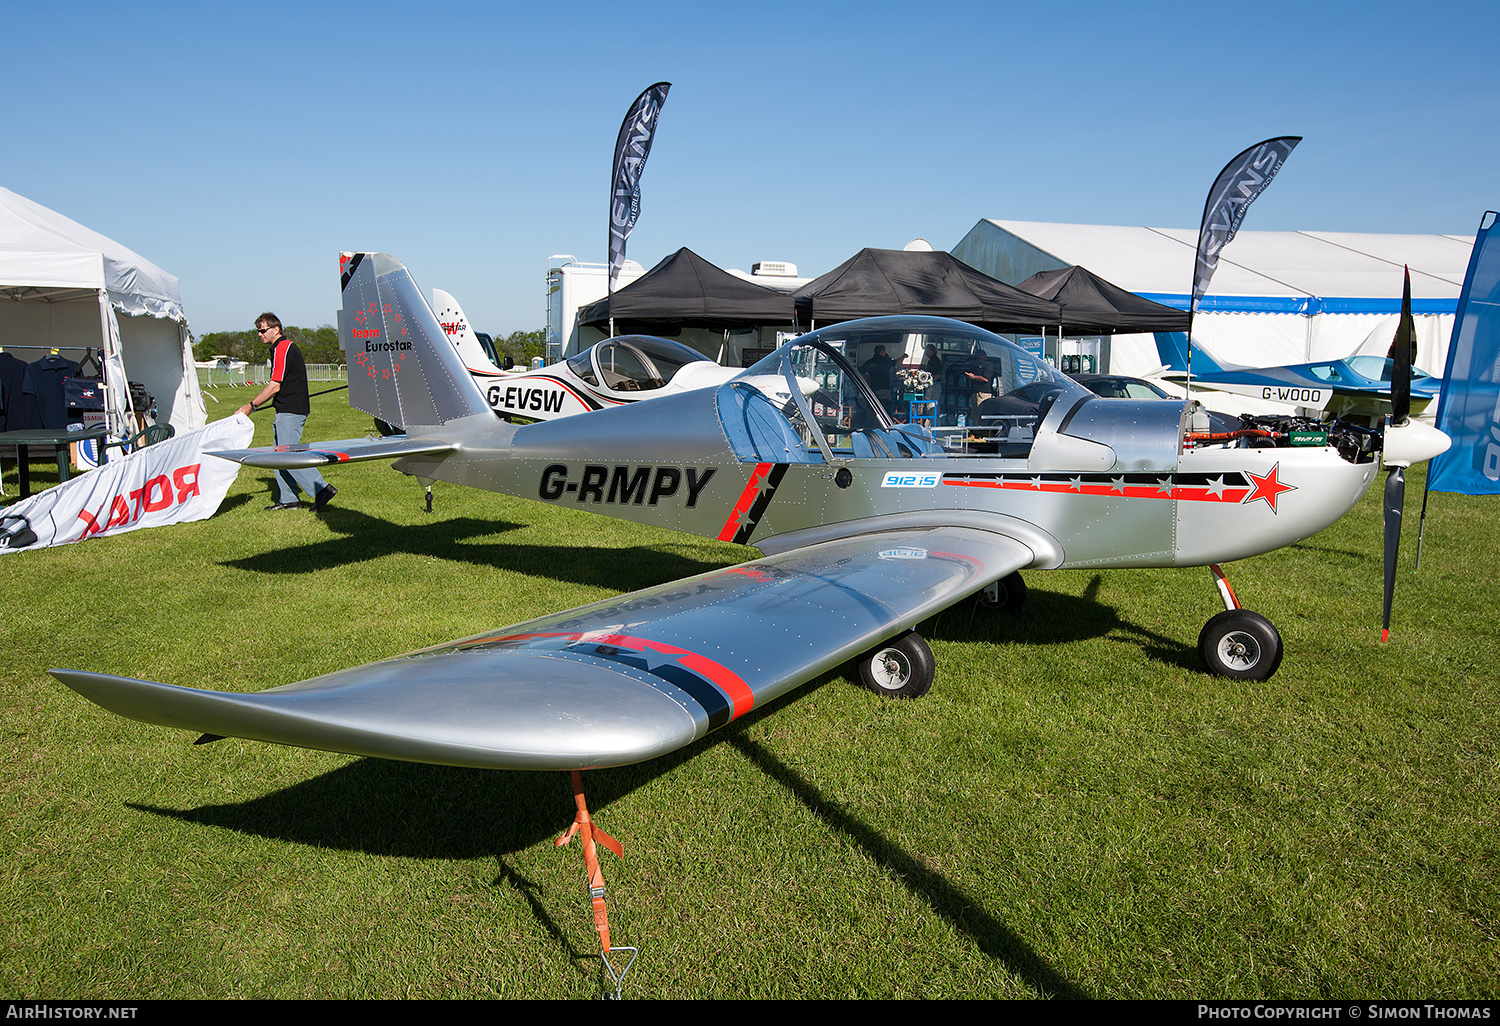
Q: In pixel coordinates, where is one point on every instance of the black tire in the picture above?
(902, 667)
(1010, 595)
(1240, 645)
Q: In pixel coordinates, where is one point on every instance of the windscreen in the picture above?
(641, 363)
(909, 386)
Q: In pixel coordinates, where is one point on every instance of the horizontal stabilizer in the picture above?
(346, 450)
(616, 682)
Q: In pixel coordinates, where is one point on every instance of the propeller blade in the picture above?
(1402, 348)
(1397, 432)
(1395, 499)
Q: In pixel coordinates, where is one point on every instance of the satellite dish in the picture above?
(919, 246)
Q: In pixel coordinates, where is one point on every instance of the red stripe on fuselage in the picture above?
(747, 499)
(1187, 493)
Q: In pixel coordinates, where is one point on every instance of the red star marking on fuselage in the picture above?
(1268, 487)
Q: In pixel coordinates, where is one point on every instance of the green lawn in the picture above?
(1074, 810)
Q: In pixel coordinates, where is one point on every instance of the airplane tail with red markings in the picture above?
(462, 334)
(402, 368)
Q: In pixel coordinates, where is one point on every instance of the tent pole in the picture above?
(1422, 523)
(1189, 383)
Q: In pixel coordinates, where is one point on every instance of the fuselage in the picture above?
(795, 452)
(615, 372)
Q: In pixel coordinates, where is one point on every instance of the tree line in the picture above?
(321, 345)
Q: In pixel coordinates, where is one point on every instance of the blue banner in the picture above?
(1469, 409)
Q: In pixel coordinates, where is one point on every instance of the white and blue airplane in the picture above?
(1354, 387)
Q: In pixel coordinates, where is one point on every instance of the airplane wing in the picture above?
(345, 450)
(613, 683)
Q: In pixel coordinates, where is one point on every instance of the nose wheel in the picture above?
(1237, 643)
(1240, 645)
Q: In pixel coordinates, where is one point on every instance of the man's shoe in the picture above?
(284, 505)
(324, 498)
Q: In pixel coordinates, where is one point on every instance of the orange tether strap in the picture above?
(590, 833)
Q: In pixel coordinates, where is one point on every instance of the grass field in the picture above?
(1075, 810)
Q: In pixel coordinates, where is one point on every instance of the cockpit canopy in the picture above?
(892, 387)
(1374, 370)
(633, 363)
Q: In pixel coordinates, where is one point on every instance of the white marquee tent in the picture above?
(65, 287)
(1276, 298)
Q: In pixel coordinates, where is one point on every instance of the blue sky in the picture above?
(242, 147)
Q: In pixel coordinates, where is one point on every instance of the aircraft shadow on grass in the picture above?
(233, 502)
(362, 538)
(1053, 618)
(1356, 555)
(1049, 617)
(416, 810)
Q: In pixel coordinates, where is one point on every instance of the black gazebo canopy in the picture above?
(876, 282)
(1093, 306)
(686, 291)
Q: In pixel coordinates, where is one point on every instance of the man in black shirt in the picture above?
(287, 392)
(880, 371)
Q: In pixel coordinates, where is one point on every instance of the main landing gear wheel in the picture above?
(902, 667)
(1240, 645)
(1007, 595)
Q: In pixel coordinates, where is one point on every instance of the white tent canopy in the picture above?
(66, 287)
(1276, 298)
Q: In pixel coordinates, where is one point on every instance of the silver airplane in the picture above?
(867, 527)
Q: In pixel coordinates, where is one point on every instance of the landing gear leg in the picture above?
(588, 833)
(1007, 595)
(1222, 583)
(1238, 643)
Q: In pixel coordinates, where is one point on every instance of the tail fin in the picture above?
(1171, 347)
(461, 333)
(402, 368)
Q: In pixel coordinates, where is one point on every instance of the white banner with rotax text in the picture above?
(170, 482)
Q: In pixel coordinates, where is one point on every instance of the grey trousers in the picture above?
(288, 430)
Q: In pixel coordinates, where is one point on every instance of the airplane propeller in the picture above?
(1395, 478)
(1406, 442)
